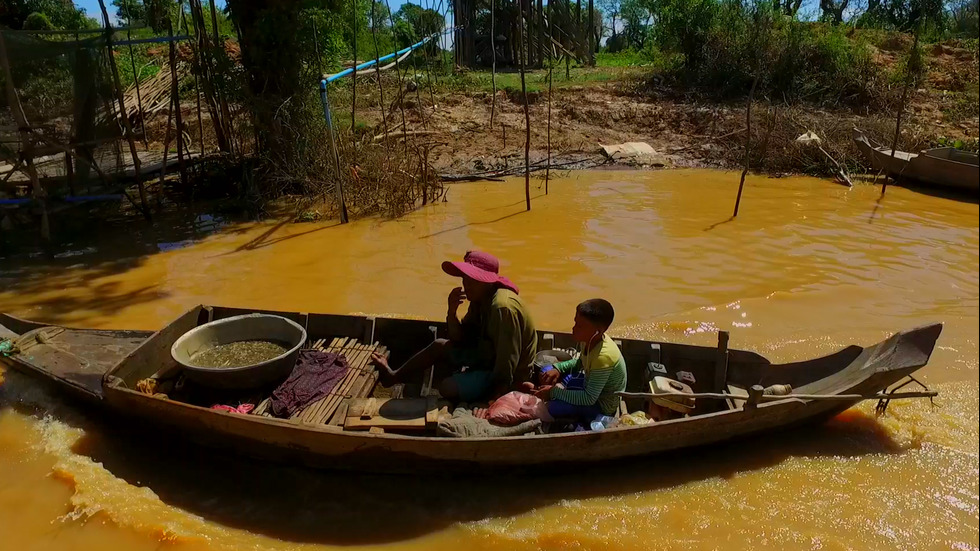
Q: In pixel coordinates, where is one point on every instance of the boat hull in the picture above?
(943, 167)
(854, 370)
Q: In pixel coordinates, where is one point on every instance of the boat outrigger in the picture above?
(726, 393)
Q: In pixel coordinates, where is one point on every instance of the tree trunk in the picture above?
(272, 59)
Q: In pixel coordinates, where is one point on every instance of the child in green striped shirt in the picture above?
(601, 362)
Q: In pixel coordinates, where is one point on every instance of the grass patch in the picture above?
(537, 80)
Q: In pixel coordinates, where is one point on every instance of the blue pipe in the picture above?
(67, 199)
(368, 64)
(83, 198)
(371, 63)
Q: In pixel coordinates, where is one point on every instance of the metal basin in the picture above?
(240, 328)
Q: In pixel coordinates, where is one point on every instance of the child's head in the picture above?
(592, 317)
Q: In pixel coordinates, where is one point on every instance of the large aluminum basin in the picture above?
(240, 328)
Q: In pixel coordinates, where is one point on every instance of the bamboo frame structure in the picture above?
(34, 146)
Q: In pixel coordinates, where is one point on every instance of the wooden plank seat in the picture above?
(400, 414)
(358, 382)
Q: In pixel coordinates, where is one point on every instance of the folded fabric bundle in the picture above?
(464, 425)
(244, 409)
(315, 375)
(516, 407)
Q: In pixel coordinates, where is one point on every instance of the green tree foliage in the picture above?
(833, 10)
(787, 7)
(130, 10)
(633, 18)
(612, 9)
(413, 23)
(964, 18)
(38, 22)
(636, 23)
(904, 15)
(720, 46)
(62, 14)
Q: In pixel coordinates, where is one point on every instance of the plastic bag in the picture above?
(516, 407)
(603, 422)
(635, 418)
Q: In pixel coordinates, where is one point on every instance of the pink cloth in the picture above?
(244, 409)
(516, 407)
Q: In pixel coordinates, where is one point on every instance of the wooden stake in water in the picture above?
(547, 170)
(527, 118)
(493, 66)
(748, 139)
(339, 186)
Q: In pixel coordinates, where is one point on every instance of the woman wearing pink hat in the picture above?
(490, 350)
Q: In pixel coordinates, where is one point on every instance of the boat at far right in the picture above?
(945, 167)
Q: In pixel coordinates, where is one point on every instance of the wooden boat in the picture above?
(945, 166)
(104, 368)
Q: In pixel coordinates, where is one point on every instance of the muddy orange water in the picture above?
(807, 268)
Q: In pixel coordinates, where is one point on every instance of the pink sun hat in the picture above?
(479, 266)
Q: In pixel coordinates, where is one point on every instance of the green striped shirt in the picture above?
(605, 375)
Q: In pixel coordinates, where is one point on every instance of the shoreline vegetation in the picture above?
(673, 73)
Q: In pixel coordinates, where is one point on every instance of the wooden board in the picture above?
(389, 413)
(357, 382)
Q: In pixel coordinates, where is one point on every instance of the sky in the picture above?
(92, 6)
(93, 10)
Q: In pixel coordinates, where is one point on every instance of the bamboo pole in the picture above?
(214, 23)
(211, 94)
(422, 150)
(17, 110)
(136, 80)
(377, 67)
(222, 101)
(353, 75)
(197, 83)
(568, 37)
(591, 31)
(748, 139)
(122, 108)
(401, 95)
(527, 119)
(539, 23)
(401, 80)
(547, 172)
(175, 95)
(166, 152)
(418, 95)
(339, 186)
(428, 68)
(551, 71)
(493, 57)
(901, 107)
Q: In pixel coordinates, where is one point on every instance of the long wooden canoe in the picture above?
(104, 367)
(945, 167)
